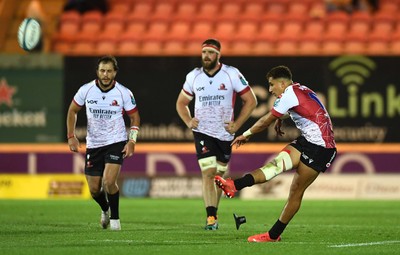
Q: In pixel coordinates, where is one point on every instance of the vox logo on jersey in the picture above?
(91, 101)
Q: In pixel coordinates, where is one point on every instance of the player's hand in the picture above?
(128, 150)
(240, 140)
(230, 127)
(193, 123)
(73, 144)
(278, 127)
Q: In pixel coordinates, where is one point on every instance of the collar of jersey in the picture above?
(97, 84)
(219, 69)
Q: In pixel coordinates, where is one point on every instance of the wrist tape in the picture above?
(133, 134)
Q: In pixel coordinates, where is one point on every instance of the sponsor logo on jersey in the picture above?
(91, 101)
(277, 102)
(243, 81)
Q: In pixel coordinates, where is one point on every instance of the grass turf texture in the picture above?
(176, 226)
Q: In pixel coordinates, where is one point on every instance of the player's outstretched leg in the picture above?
(228, 186)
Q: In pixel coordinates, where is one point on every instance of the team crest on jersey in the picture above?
(222, 87)
(133, 100)
(114, 103)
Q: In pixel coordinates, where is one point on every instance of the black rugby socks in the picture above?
(245, 181)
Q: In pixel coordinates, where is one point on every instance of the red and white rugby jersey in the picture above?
(104, 111)
(308, 113)
(215, 98)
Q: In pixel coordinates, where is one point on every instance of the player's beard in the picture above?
(210, 64)
(106, 85)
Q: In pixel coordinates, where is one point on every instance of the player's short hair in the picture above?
(108, 59)
(213, 43)
(280, 72)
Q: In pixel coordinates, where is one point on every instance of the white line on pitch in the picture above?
(363, 244)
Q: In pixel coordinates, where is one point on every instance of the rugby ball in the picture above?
(29, 34)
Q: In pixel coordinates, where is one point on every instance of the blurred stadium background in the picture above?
(350, 58)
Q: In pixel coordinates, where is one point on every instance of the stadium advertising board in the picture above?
(30, 101)
(361, 93)
(182, 161)
(23, 186)
(162, 170)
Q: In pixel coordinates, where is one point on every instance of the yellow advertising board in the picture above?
(43, 186)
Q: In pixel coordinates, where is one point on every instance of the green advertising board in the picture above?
(31, 100)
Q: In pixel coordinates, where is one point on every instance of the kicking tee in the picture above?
(104, 111)
(215, 98)
(308, 114)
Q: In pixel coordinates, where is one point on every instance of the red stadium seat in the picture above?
(225, 30)
(157, 30)
(152, 48)
(263, 48)
(230, 11)
(163, 11)
(92, 22)
(252, 11)
(70, 25)
(107, 43)
(179, 30)
(288, 46)
(174, 48)
(141, 11)
(128, 45)
(208, 11)
(114, 23)
(298, 8)
(186, 11)
(378, 46)
(201, 30)
(309, 45)
(355, 45)
(332, 45)
(240, 48)
(121, 7)
(246, 31)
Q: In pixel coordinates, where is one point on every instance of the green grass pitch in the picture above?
(175, 226)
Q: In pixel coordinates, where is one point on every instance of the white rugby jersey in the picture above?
(215, 98)
(308, 113)
(104, 111)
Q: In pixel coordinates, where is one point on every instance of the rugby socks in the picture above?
(211, 211)
(277, 229)
(245, 181)
(113, 200)
(101, 199)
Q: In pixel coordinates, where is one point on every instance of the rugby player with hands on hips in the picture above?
(107, 141)
(214, 87)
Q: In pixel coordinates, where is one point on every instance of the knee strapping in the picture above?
(207, 163)
(221, 168)
(280, 163)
